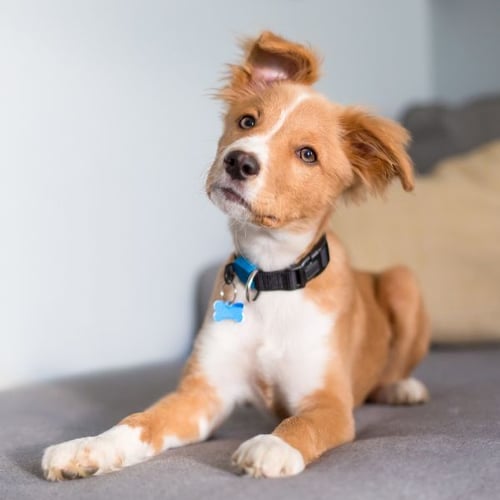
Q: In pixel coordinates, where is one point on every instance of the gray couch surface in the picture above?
(440, 130)
(447, 449)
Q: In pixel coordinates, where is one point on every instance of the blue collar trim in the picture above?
(243, 269)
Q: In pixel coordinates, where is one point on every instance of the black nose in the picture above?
(240, 165)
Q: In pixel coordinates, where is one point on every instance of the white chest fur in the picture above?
(283, 342)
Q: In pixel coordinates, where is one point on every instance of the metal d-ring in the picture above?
(235, 293)
(248, 286)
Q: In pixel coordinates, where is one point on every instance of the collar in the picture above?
(291, 278)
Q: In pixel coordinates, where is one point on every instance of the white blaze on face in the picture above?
(258, 145)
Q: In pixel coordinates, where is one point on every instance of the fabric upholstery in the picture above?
(440, 131)
(448, 232)
(447, 449)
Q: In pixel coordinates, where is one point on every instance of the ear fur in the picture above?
(376, 149)
(269, 59)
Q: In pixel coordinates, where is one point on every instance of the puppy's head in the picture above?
(287, 153)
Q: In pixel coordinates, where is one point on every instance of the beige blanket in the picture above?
(448, 231)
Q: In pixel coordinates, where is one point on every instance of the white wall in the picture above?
(466, 45)
(106, 130)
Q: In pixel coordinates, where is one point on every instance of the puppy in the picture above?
(291, 326)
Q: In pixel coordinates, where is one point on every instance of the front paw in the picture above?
(72, 460)
(268, 456)
(110, 451)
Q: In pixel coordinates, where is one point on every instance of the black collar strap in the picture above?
(291, 278)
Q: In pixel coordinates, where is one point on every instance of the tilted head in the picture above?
(287, 153)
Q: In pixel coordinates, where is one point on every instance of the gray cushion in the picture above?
(439, 131)
(449, 448)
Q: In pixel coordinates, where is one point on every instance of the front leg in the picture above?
(187, 415)
(323, 422)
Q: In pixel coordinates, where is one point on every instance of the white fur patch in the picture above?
(259, 146)
(268, 456)
(271, 248)
(409, 391)
(259, 143)
(171, 441)
(283, 342)
(203, 428)
(118, 447)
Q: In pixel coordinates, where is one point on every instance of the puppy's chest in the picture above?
(290, 348)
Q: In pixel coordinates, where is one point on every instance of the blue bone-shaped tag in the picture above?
(225, 310)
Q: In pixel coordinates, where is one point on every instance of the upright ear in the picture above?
(376, 149)
(269, 59)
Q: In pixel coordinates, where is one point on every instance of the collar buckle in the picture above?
(300, 277)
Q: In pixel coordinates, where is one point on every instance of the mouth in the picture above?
(232, 196)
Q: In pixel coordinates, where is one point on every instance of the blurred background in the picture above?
(107, 128)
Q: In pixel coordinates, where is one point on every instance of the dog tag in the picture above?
(228, 311)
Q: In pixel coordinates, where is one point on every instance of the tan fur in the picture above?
(382, 334)
(301, 64)
(376, 150)
(178, 414)
(302, 126)
(381, 330)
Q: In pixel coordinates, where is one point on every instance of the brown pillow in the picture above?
(448, 232)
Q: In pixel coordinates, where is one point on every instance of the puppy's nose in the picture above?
(240, 165)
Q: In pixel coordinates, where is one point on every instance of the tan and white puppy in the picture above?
(286, 157)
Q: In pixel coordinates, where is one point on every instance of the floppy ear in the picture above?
(269, 59)
(376, 149)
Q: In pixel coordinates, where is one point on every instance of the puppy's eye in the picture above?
(307, 155)
(247, 121)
